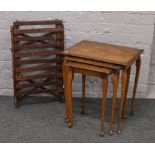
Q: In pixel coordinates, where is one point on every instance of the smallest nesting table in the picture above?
(71, 67)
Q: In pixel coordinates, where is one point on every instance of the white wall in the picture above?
(134, 29)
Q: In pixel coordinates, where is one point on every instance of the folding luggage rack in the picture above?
(37, 58)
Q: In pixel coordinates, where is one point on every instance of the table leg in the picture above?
(138, 64)
(115, 87)
(124, 81)
(65, 92)
(82, 102)
(69, 79)
(104, 89)
(126, 91)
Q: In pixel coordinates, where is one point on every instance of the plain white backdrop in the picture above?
(77, 5)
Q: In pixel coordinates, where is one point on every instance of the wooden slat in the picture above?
(38, 92)
(34, 46)
(41, 30)
(31, 54)
(38, 84)
(38, 68)
(22, 78)
(37, 61)
(35, 38)
(45, 22)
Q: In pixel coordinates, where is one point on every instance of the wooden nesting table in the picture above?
(108, 56)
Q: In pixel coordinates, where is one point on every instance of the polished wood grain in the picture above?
(104, 52)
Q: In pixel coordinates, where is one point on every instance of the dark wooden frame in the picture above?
(45, 43)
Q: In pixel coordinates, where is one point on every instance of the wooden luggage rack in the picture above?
(37, 58)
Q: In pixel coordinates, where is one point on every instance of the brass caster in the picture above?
(101, 134)
(111, 133)
(119, 131)
(69, 125)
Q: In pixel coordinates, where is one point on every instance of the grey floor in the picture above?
(40, 119)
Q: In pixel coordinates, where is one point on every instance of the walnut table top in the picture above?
(104, 52)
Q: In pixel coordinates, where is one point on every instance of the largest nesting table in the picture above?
(110, 56)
